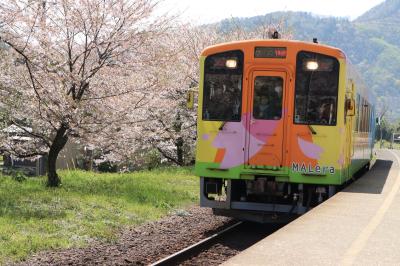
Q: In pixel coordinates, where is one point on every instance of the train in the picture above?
(282, 126)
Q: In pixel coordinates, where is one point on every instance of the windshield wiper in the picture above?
(312, 130)
(222, 126)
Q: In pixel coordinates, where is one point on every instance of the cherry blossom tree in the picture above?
(171, 127)
(76, 69)
(104, 73)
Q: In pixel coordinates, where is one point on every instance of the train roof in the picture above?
(290, 44)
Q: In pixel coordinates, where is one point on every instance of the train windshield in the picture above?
(317, 79)
(222, 98)
(267, 103)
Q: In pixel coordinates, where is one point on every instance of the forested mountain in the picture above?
(372, 42)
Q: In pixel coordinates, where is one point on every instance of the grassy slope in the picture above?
(88, 206)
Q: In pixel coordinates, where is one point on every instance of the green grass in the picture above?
(88, 206)
(386, 145)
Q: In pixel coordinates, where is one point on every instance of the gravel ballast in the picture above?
(141, 245)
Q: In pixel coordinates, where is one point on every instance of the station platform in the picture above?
(358, 226)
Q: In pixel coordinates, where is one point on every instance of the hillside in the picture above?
(388, 10)
(372, 42)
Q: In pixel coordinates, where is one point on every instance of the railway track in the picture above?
(187, 252)
(220, 246)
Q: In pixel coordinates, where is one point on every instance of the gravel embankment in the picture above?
(143, 244)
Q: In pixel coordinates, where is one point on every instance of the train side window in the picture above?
(362, 126)
(222, 91)
(368, 117)
(317, 80)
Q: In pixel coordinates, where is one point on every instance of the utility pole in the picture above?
(391, 141)
(380, 125)
(380, 128)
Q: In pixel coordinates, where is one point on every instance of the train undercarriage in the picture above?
(262, 199)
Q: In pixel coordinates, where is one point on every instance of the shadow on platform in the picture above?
(374, 180)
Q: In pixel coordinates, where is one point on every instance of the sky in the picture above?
(208, 11)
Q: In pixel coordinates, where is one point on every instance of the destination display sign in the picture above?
(270, 52)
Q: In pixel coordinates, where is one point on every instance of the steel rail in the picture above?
(188, 250)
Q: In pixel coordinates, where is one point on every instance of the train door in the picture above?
(265, 134)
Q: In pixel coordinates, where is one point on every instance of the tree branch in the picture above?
(172, 159)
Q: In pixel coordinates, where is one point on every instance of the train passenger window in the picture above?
(363, 115)
(366, 116)
(317, 80)
(267, 102)
(222, 97)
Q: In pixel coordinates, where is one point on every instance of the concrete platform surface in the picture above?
(358, 226)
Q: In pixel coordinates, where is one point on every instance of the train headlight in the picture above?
(231, 63)
(312, 65)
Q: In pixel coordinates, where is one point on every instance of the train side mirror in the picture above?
(350, 107)
(190, 99)
(378, 121)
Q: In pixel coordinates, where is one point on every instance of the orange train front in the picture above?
(281, 124)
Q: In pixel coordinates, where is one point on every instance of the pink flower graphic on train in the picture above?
(341, 160)
(261, 129)
(232, 138)
(310, 149)
(206, 137)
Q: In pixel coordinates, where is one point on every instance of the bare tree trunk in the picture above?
(179, 151)
(57, 145)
